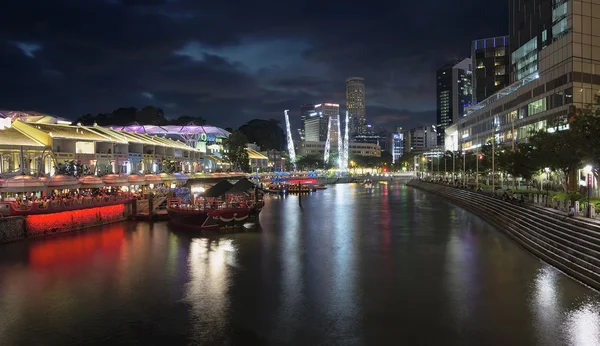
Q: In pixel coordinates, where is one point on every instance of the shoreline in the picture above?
(570, 245)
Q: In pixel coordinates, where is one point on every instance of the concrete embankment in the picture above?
(571, 245)
(15, 228)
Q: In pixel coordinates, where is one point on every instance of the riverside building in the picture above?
(555, 68)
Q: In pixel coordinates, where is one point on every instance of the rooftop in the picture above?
(211, 132)
(10, 136)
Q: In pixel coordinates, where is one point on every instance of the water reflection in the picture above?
(344, 302)
(206, 292)
(583, 325)
(545, 305)
(292, 281)
(386, 267)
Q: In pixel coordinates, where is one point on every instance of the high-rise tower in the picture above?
(355, 104)
(491, 66)
(306, 111)
(454, 93)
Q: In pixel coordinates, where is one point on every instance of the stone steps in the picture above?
(571, 245)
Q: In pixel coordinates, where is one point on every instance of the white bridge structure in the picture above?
(342, 142)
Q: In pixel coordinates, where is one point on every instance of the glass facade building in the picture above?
(491, 67)
(555, 68)
(454, 93)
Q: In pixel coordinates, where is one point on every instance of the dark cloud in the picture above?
(231, 61)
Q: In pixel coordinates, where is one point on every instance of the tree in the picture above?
(147, 115)
(586, 128)
(561, 151)
(310, 162)
(236, 152)
(187, 120)
(265, 133)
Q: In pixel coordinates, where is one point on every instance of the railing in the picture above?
(216, 207)
(55, 206)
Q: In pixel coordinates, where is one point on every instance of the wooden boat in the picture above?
(223, 206)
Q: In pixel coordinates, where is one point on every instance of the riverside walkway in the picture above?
(570, 244)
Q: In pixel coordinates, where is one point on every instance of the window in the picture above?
(500, 70)
(559, 13)
(556, 100)
(536, 107)
(560, 29)
(568, 96)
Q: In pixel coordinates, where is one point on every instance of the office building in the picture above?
(420, 138)
(355, 104)
(306, 111)
(361, 149)
(454, 93)
(395, 144)
(317, 122)
(491, 66)
(555, 68)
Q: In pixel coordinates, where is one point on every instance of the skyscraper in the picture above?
(315, 126)
(554, 71)
(454, 93)
(491, 66)
(531, 29)
(305, 112)
(355, 103)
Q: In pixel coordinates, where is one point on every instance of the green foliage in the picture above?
(265, 133)
(236, 153)
(147, 115)
(310, 162)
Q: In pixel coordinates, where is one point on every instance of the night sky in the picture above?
(232, 61)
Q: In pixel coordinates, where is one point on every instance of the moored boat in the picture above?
(222, 206)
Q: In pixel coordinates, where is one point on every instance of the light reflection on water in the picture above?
(583, 325)
(349, 267)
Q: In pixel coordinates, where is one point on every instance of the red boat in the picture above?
(215, 216)
(223, 206)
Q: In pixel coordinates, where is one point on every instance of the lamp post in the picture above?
(547, 170)
(453, 166)
(477, 171)
(464, 169)
(587, 170)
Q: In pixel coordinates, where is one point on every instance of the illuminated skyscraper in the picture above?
(306, 111)
(454, 93)
(317, 122)
(491, 66)
(355, 103)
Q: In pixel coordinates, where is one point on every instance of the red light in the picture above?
(75, 219)
(78, 250)
(481, 157)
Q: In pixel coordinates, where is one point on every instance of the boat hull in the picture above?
(214, 219)
(187, 218)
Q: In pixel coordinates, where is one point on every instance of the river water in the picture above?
(394, 266)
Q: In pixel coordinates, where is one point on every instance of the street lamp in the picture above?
(587, 170)
(547, 170)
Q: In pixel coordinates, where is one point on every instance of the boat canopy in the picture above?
(219, 189)
(242, 186)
